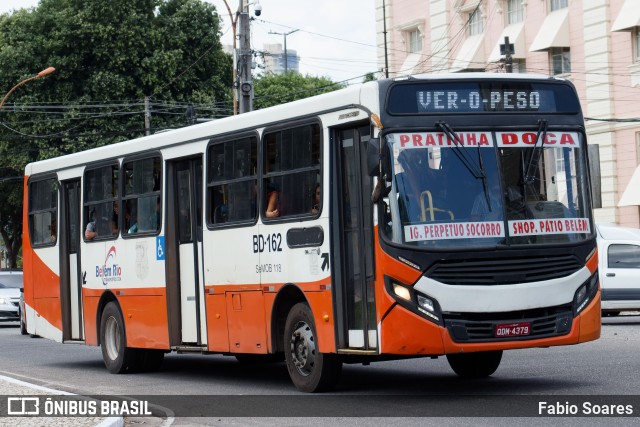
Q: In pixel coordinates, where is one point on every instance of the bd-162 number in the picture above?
(268, 243)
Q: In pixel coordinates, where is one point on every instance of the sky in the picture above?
(335, 38)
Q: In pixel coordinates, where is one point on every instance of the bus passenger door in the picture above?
(70, 276)
(185, 287)
(352, 240)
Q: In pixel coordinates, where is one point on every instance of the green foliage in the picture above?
(108, 55)
(369, 77)
(11, 215)
(273, 89)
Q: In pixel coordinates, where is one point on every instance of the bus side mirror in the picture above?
(373, 157)
(378, 156)
(594, 172)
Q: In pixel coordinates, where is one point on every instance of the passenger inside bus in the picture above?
(130, 223)
(316, 199)
(53, 230)
(102, 225)
(157, 215)
(90, 232)
(114, 218)
(272, 202)
(219, 209)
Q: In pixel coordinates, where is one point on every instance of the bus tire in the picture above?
(150, 360)
(310, 370)
(23, 327)
(475, 365)
(118, 358)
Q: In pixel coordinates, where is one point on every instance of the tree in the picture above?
(369, 77)
(11, 215)
(109, 56)
(274, 89)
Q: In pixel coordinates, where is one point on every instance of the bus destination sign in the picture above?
(481, 97)
(495, 100)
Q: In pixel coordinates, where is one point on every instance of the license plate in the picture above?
(520, 329)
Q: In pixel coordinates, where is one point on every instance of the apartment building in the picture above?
(278, 61)
(593, 43)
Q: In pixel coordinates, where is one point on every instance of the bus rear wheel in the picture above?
(310, 370)
(118, 358)
(475, 365)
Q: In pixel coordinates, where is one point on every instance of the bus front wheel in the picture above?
(23, 327)
(310, 370)
(118, 358)
(475, 365)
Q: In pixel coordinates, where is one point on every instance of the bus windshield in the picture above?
(477, 189)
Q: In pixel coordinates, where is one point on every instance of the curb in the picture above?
(107, 422)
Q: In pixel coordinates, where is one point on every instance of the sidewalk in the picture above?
(13, 387)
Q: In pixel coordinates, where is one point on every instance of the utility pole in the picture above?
(384, 32)
(286, 55)
(147, 116)
(244, 58)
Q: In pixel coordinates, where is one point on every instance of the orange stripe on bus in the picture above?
(592, 263)
(266, 287)
(221, 338)
(144, 311)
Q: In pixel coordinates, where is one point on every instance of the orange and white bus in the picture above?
(425, 216)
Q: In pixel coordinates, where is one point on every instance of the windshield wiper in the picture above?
(537, 152)
(476, 170)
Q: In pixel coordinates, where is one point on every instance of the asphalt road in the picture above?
(222, 391)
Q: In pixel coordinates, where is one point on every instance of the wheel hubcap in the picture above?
(303, 348)
(112, 338)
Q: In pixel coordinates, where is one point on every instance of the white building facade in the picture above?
(593, 43)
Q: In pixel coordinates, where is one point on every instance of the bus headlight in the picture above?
(402, 292)
(4, 301)
(416, 302)
(585, 293)
(426, 306)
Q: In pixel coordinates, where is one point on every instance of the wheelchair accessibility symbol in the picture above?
(160, 248)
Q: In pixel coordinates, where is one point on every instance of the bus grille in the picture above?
(503, 271)
(472, 327)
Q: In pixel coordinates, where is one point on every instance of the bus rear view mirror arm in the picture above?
(373, 157)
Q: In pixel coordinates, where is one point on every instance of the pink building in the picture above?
(593, 43)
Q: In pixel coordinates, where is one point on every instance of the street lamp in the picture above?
(244, 89)
(40, 74)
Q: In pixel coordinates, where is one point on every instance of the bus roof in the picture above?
(344, 98)
(480, 76)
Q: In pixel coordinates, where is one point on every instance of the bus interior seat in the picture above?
(431, 213)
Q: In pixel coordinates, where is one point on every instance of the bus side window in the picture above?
(142, 199)
(232, 181)
(101, 202)
(292, 171)
(43, 211)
